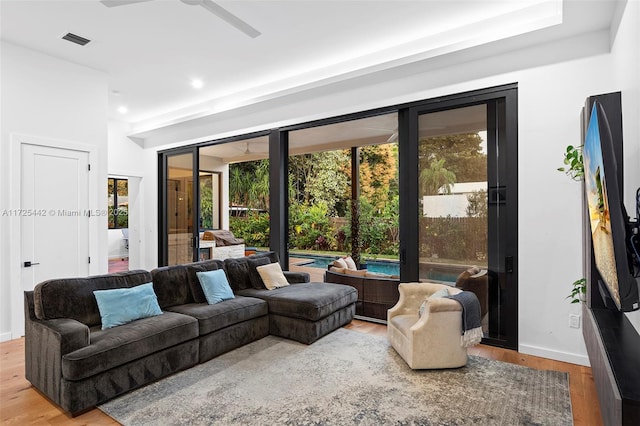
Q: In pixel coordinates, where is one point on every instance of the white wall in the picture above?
(52, 99)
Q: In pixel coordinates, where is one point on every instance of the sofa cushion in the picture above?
(122, 305)
(237, 270)
(171, 284)
(309, 301)
(73, 297)
(226, 313)
(254, 276)
(117, 346)
(178, 284)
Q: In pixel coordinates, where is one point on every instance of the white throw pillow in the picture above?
(350, 263)
(340, 263)
(272, 276)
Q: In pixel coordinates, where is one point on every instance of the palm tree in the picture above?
(436, 177)
(262, 184)
(236, 186)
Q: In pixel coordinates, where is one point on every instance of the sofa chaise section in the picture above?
(307, 311)
(302, 311)
(77, 365)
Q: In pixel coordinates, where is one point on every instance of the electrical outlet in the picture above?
(574, 321)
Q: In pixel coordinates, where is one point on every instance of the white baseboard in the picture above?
(5, 336)
(558, 356)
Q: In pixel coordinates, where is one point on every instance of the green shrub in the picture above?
(254, 228)
(307, 224)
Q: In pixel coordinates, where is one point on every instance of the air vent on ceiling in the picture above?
(73, 38)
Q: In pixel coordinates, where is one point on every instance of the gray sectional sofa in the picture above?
(70, 359)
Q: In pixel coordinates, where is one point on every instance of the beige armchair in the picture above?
(433, 340)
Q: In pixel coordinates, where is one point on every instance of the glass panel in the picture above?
(111, 203)
(118, 203)
(453, 199)
(122, 209)
(343, 200)
(209, 200)
(245, 199)
(179, 209)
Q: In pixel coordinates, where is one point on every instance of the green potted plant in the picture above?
(573, 161)
(575, 170)
(578, 291)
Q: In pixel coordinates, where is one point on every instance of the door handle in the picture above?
(508, 264)
(29, 264)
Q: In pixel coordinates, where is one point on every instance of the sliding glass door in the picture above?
(460, 158)
(180, 196)
(179, 231)
(450, 216)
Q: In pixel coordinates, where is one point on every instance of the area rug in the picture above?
(345, 378)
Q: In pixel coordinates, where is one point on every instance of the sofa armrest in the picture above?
(440, 314)
(46, 342)
(297, 277)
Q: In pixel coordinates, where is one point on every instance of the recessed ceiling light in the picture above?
(123, 109)
(115, 93)
(197, 83)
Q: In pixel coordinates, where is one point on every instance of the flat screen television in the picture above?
(609, 223)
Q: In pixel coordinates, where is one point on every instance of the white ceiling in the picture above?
(375, 130)
(151, 51)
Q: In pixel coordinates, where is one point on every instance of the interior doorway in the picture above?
(51, 217)
(118, 223)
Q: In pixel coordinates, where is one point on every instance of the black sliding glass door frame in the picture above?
(502, 135)
(502, 171)
(163, 203)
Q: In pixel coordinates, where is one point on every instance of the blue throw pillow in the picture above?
(123, 305)
(215, 286)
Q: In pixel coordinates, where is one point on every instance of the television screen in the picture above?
(608, 224)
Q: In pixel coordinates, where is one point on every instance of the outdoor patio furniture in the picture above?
(376, 294)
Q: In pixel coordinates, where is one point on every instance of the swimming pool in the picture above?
(319, 261)
(388, 267)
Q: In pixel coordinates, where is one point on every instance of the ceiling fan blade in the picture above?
(114, 3)
(230, 18)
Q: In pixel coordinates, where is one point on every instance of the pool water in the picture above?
(318, 261)
(388, 267)
(380, 266)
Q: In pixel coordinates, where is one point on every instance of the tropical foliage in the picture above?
(462, 154)
(249, 184)
(322, 214)
(206, 201)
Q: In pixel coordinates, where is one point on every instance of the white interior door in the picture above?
(54, 214)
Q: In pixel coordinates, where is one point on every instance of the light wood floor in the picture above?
(21, 404)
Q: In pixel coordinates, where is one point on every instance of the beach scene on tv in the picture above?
(596, 189)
